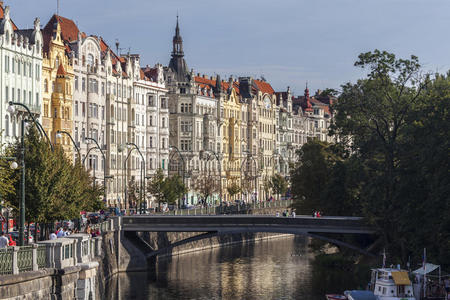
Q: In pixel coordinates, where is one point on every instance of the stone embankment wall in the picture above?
(117, 252)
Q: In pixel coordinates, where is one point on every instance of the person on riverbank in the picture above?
(3, 241)
(293, 213)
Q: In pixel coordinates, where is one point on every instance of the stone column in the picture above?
(35, 264)
(15, 266)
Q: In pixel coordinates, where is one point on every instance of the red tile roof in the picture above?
(2, 15)
(203, 82)
(264, 86)
(61, 70)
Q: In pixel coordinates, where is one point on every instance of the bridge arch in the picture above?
(212, 234)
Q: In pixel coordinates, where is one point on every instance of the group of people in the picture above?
(92, 232)
(61, 232)
(317, 214)
(286, 213)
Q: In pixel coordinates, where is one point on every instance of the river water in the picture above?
(270, 269)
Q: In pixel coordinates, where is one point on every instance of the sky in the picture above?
(288, 42)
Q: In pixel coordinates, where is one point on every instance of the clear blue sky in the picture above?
(288, 41)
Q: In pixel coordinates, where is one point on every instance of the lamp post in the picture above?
(142, 172)
(104, 165)
(184, 167)
(59, 134)
(245, 160)
(220, 171)
(11, 110)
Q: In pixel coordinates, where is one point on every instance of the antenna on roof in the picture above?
(57, 7)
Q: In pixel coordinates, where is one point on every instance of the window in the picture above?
(6, 63)
(151, 101)
(38, 71)
(83, 84)
(7, 93)
(76, 83)
(46, 86)
(13, 65)
(163, 122)
(150, 142)
(18, 95)
(90, 60)
(19, 65)
(7, 125)
(76, 108)
(103, 88)
(83, 109)
(150, 120)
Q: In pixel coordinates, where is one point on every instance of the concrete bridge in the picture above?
(214, 225)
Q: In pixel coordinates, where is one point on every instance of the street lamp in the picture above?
(11, 109)
(59, 134)
(104, 165)
(142, 171)
(245, 160)
(220, 171)
(184, 167)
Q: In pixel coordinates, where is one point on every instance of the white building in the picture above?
(20, 69)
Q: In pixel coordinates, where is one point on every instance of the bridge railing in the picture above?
(15, 260)
(246, 208)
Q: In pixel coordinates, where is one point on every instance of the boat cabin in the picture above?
(391, 284)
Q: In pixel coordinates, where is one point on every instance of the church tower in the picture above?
(177, 63)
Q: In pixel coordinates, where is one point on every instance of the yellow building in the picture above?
(232, 140)
(57, 80)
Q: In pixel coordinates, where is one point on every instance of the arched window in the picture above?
(46, 85)
(90, 60)
(83, 60)
(83, 134)
(57, 62)
(7, 125)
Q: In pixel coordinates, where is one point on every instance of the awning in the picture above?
(401, 277)
(428, 268)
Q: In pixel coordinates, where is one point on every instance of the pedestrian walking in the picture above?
(293, 213)
(3, 241)
(53, 236)
(60, 233)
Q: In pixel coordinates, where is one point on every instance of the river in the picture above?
(270, 269)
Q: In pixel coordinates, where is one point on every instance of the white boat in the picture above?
(391, 284)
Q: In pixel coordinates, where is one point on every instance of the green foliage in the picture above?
(233, 189)
(206, 185)
(278, 184)
(7, 180)
(55, 189)
(329, 92)
(391, 164)
(168, 189)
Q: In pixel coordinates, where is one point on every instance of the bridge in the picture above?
(214, 225)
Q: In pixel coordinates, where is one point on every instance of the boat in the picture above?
(360, 295)
(391, 284)
(335, 297)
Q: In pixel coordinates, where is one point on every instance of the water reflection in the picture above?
(274, 269)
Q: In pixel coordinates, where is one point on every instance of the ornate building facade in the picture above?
(20, 71)
(57, 89)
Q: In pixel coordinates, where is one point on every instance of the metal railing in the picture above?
(246, 208)
(15, 260)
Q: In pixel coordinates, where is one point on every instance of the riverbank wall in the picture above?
(78, 267)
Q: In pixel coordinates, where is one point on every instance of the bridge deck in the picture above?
(245, 223)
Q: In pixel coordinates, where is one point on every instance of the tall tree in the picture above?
(206, 185)
(55, 189)
(278, 184)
